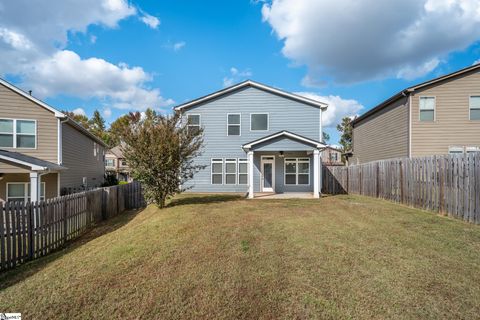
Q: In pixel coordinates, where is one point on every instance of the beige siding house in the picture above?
(43, 153)
(116, 164)
(439, 116)
(332, 156)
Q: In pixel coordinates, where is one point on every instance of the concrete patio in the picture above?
(286, 195)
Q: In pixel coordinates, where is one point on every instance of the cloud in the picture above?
(179, 45)
(79, 111)
(107, 112)
(236, 76)
(32, 48)
(149, 20)
(476, 62)
(352, 41)
(337, 107)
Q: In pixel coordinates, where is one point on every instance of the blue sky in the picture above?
(118, 56)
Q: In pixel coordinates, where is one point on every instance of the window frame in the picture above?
(455, 149)
(216, 160)
(113, 163)
(470, 107)
(26, 190)
(297, 161)
(243, 161)
(199, 125)
(15, 133)
(472, 149)
(230, 161)
(434, 109)
(239, 125)
(268, 121)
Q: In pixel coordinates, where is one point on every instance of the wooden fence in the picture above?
(34, 229)
(448, 184)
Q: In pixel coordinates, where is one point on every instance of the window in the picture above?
(110, 162)
(233, 124)
(455, 150)
(242, 171)
(333, 156)
(18, 133)
(193, 122)
(472, 149)
(20, 191)
(259, 121)
(297, 171)
(217, 171)
(427, 108)
(230, 171)
(475, 108)
(124, 162)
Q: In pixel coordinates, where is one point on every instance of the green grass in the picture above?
(343, 257)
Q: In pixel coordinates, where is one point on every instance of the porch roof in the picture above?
(284, 134)
(33, 163)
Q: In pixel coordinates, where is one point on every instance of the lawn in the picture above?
(226, 257)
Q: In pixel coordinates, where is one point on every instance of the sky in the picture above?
(118, 56)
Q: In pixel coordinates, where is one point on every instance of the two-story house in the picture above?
(116, 164)
(257, 139)
(332, 156)
(439, 116)
(43, 153)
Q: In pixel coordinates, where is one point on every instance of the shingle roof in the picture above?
(28, 161)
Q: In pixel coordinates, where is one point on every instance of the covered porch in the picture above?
(25, 178)
(284, 165)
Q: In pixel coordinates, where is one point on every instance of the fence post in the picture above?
(65, 223)
(31, 226)
(441, 192)
(377, 187)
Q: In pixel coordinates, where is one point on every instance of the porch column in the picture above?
(250, 174)
(316, 173)
(34, 186)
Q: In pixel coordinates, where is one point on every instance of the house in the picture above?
(43, 153)
(257, 139)
(332, 156)
(439, 116)
(116, 164)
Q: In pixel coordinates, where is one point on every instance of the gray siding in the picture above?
(282, 144)
(81, 159)
(284, 114)
(383, 135)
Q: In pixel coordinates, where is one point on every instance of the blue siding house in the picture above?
(257, 139)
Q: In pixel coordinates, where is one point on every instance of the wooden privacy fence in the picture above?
(447, 184)
(34, 229)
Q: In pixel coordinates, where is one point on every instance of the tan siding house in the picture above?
(116, 164)
(43, 152)
(396, 128)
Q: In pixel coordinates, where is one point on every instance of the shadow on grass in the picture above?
(22, 272)
(203, 199)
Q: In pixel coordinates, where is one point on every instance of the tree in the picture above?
(346, 130)
(80, 118)
(97, 126)
(117, 128)
(160, 151)
(325, 137)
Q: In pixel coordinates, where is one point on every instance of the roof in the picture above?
(28, 161)
(407, 91)
(57, 113)
(117, 151)
(288, 134)
(253, 84)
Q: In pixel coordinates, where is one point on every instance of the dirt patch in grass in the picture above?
(224, 257)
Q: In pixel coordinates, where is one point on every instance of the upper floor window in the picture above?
(427, 108)
(110, 162)
(18, 133)
(333, 156)
(475, 108)
(259, 122)
(193, 122)
(233, 124)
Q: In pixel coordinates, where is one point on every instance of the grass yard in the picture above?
(225, 257)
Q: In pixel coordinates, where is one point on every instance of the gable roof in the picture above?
(116, 151)
(253, 84)
(407, 91)
(288, 134)
(28, 161)
(57, 113)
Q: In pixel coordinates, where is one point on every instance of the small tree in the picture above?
(346, 130)
(160, 151)
(325, 137)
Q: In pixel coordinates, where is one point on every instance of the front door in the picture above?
(268, 174)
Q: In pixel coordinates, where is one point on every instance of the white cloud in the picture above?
(79, 111)
(476, 62)
(107, 112)
(149, 20)
(337, 108)
(33, 48)
(179, 45)
(236, 76)
(349, 41)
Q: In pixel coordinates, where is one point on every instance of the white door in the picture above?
(268, 174)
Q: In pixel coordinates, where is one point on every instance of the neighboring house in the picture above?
(257, 139)
(332, 156)
(439, 116)
(115, 163)
(43, 153)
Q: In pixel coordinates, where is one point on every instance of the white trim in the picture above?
(434, 109)
(57, 113)
(230, 161)
(25, 197)
(250, 174)
(255, 85)
(456, 150)
(32, 166)
(268, 121)
(245, 161)
(297, 161)
(470, 107)
(288, 134)
(263, 160)
(316, 173)
(58, 184)
(217, 160)
(15, 134)
(410, 117)
(234, 124)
